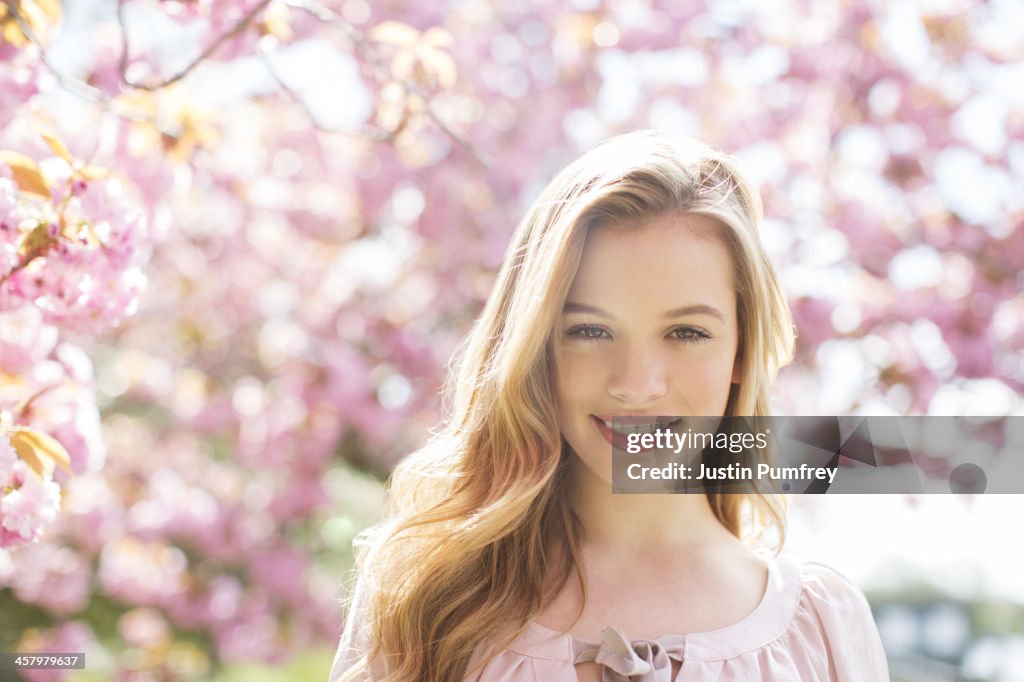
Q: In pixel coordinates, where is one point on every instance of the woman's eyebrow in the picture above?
(571, 307)
(695, 309)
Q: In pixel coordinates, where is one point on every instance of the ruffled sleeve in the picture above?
(854, 647)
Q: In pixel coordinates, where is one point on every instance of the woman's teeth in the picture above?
(639, 428)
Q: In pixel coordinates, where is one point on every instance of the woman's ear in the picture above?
(737, 368)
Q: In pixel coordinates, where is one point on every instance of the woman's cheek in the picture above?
(577, 362)
(570, 370)
(580, 376)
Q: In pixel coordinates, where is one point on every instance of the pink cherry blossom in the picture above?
(30, 507)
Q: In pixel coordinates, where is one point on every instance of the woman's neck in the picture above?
(625, 523)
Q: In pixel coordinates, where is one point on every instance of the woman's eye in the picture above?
(690, 334)
(587, 333)
(593, 333)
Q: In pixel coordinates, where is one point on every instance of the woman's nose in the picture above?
(638, 378)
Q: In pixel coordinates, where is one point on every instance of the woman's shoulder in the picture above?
(812, 616)
(828, 589)
(834, 606)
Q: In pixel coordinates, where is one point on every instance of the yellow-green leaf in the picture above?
(35, 15)
(8, 379)
(51, 8)
(26, 173)
(40, 451)
(442, 66)
(36, 241)
(11, 33)
(438, 37)
(276, 22)
(396, 33)
(56, 145)
(93, 172)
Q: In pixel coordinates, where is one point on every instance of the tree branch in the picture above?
(324, 14)
(371, 57)
(73, 85)
(235, 30)
(22, 408)
(378, 135)
(78, 87)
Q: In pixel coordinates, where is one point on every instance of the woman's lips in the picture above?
(620, 441)
(617, 440)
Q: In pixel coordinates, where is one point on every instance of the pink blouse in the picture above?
(811, 624)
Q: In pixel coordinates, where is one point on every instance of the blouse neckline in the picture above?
(768, 621)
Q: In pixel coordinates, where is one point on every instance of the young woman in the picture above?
(636, 286)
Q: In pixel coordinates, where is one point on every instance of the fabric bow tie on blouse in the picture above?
(625, 661)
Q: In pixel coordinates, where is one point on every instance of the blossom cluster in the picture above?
(73, 241)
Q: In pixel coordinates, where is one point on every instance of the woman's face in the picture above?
(649, 329)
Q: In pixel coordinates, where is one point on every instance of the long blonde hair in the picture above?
(465, 550)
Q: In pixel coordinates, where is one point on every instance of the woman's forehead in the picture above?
(670, 261)
(668, 241)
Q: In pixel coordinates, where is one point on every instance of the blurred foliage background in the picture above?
(241, 238)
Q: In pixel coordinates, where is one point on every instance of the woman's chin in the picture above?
(596, 469)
